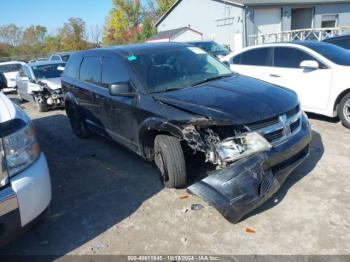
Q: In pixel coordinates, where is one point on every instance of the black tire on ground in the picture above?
(77, 123)
(170, 160)
(40, 106)
(344, 110)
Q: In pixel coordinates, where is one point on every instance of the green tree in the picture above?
(123, 22)
(73, 35)
(148, 28)
(34, 35)
(52, 44)
(163, 6)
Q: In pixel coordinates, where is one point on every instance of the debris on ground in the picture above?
(250, 230)
(184, 240)
(182, 197)
(197, 207)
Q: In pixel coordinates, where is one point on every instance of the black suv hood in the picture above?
(239, 99)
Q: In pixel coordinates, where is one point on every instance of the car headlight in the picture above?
(21, 149)
(232, 149)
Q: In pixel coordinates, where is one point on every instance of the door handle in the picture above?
(274, 75)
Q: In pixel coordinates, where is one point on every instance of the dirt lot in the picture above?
(106, 200)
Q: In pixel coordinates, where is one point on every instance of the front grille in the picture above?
(264, 123)
(274, 135)
(278, 129)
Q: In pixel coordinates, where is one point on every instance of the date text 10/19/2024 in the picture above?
(173, 258)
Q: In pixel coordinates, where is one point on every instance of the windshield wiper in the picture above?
(169, 89)
(206, 80)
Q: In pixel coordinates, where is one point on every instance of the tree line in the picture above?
(127, 22)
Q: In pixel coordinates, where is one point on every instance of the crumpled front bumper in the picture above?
(247, 183)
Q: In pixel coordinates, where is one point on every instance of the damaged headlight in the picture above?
(232, 149)
(21, 149)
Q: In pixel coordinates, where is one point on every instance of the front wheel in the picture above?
(77, 123)
(170, 160)
(344, 111)
(42, 107)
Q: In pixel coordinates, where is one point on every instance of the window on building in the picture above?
(329, 21)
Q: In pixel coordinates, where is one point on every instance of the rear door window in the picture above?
(256, 57)
(289, 57)
(90, 70)
(73, 65)
(113, 72)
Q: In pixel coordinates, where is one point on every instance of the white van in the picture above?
(25, 186)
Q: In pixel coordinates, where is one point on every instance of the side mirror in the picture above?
(121, 89)
(309, 64)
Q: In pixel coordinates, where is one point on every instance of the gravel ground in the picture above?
(107, 200)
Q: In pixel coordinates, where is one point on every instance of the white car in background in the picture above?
(10, 70)
(40, 82)
(318, 72)
(25, 185)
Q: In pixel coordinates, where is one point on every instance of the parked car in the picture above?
(10, 70)
(38, 60)
(212, 48)
(60, 57)
(40, 83)
(166, 99)
(341, 41)
(25, 187)
(3, 81)
(318, 72)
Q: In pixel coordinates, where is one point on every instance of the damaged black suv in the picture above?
(161, 100)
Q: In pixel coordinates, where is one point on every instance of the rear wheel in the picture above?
(344, 111)
(170, 160)
(77, 123)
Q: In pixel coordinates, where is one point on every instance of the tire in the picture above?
(77, 123)
(40, 106)
(344, 111)
(170, 160)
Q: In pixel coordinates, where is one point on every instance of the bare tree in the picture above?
(11, 34)
(95, 35)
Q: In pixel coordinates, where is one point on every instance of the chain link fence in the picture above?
(24, 58)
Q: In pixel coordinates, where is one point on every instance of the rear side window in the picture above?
(256, 57)
(113, 71)
(290, 57)
(73, 65)
(90, 70)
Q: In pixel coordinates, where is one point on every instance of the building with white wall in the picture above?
(237, 23)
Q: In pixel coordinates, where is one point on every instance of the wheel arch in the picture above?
(340, 97)
(152, 128)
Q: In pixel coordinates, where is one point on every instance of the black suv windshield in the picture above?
(176, 68)
(48, 71)
(10, 68)
(334, 53)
